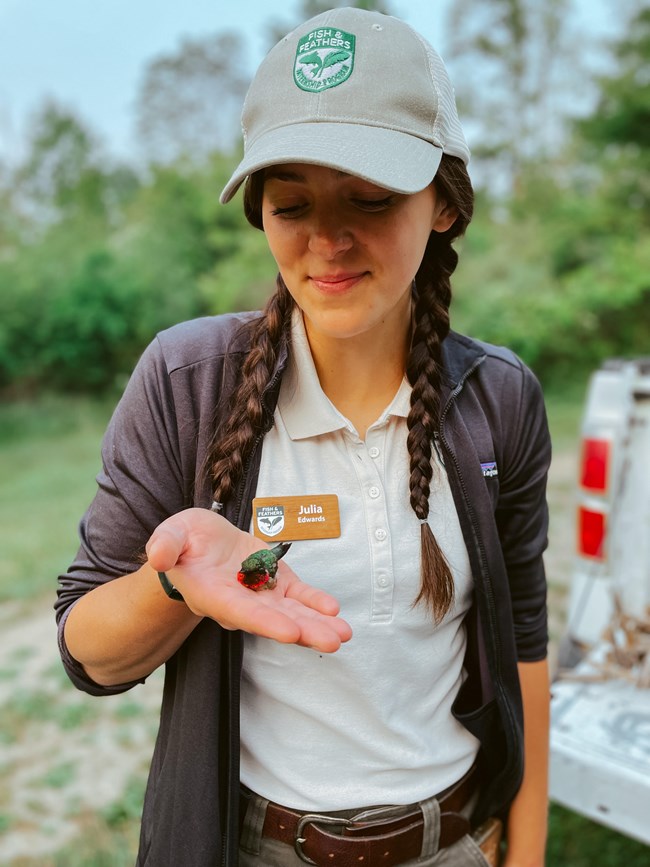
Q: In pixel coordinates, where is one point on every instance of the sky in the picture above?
(89, 54)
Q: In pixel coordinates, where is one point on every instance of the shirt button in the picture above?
(374, 492)
(382, 580)
(380, 534)
(373, 452)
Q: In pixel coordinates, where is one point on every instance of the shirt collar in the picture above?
(305, 408)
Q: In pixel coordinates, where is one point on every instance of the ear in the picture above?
(444, 219)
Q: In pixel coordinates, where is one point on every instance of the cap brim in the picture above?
(394, 160)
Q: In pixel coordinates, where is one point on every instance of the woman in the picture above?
(405, 463)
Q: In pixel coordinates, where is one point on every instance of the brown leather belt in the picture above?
(371, 837)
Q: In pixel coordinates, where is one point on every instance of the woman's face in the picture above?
(347, 249)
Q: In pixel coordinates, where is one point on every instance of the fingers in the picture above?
(270, 615)
(310, 596)
(325, 637)
(240, 608)
(320, 632)
(166, 545)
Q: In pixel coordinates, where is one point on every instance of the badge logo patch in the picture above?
(324, 58)
(270, 519)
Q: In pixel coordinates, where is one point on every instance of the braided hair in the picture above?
(236, 436)
(432, 293)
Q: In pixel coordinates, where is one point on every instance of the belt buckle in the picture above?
(316, 819)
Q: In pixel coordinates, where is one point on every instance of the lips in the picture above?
(336, 283)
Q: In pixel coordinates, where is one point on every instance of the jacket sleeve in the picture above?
(140, 485)
(522, 511)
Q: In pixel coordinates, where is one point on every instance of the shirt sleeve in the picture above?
(141, 483)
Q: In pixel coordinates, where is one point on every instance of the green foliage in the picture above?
(189, 100)
(510, 62)
(576, 842)
(559, 271)
(96, 258)
(557, 286)
(66, 172)
(617, 134)
(49, 456)
(60, 776)
(623, 112)
(82, 296)
(129, 808)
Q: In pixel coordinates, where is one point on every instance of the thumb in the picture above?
(165, 546)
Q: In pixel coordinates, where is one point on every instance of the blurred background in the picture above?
(119, 125)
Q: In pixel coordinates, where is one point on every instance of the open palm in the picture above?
(202, 553)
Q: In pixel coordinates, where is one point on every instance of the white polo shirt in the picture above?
(371, 723)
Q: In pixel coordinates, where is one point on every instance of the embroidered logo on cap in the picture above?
(324, 58)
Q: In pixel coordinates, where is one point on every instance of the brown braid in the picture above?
(235, 439)
(424, 372)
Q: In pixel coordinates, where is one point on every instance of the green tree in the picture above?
(617, 134)
(510, 62)
(66, 173)
(189, 101)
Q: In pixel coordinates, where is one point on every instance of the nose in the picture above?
(328, 237)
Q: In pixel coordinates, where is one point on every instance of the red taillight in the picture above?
(595, 465)
(591, 533)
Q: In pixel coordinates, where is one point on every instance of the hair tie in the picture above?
(216, 507)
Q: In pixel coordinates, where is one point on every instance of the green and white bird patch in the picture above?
(324, 58)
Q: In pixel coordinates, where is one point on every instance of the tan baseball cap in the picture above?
(356, 91)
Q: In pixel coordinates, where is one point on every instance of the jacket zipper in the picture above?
(236, 681)
(477, 535)
(479, 540)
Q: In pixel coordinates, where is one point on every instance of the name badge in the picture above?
(292, 518)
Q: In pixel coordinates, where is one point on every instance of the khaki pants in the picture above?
(258, 851)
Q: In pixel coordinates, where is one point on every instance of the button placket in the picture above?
(375, 507)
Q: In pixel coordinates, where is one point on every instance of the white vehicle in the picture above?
(600, 710)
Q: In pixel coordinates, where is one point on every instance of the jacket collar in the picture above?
(460, 355)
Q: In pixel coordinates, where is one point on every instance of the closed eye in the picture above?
(290, 210)
(374, 204)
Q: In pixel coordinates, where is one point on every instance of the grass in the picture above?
(564, 409)
(576, 842)
(49, 455)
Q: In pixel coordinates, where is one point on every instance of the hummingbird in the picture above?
(259, 569)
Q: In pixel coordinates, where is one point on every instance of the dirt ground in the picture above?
(63, 754)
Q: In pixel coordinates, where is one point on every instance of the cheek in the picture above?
(283, 241)
(409, 249)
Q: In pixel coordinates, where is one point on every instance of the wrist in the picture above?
(169, 588)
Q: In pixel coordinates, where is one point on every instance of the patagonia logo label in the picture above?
(489, 469)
